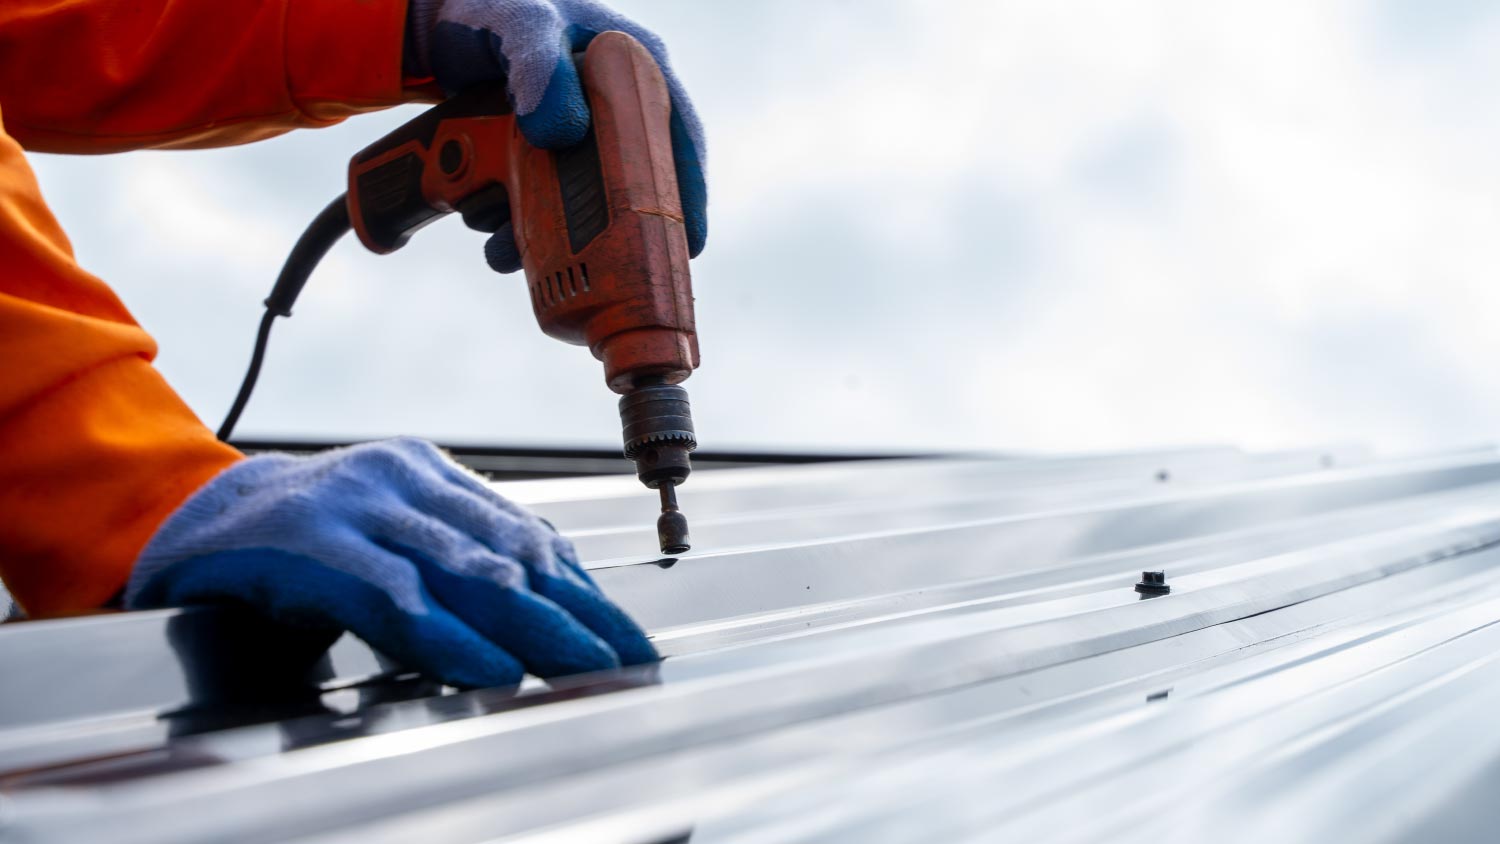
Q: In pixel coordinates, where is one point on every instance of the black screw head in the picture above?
(1153, 583)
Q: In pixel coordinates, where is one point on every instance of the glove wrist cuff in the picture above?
(204, 507)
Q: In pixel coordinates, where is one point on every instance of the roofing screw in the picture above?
(1153, 583)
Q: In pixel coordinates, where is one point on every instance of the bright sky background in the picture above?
(1050, 225)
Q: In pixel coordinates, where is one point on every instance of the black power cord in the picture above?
(321, 234)
(262, 337)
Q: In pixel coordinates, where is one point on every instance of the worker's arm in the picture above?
(111, 75)
(95, 449)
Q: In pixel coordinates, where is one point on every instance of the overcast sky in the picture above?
(1053, 225)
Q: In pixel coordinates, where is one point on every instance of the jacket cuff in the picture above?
(345, 56)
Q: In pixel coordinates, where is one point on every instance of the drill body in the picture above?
(598, 226)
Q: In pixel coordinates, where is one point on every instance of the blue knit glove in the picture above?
(402, 546)
(529, 43)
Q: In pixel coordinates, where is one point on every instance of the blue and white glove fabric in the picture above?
(529, 44)
(400, 545)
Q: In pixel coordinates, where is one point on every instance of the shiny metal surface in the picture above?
(941, 650)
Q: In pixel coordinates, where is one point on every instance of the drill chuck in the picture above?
(657, 423)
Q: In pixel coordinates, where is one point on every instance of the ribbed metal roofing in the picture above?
(917, 650)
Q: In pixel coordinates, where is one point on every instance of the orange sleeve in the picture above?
(112, 75)
(95, 449)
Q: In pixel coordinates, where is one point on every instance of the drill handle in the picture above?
(387, 200)
(599, 226)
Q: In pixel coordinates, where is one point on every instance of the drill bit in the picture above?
(657, 424)
(671, 526)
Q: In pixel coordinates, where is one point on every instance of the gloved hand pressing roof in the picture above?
(529, 44)
(403, 547)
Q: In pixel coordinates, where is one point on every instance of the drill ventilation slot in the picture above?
(560, 285)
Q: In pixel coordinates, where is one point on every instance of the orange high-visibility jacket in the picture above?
(95, 449)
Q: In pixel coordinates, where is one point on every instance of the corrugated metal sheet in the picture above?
(910, 650)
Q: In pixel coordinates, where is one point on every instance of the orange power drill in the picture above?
(599, 228)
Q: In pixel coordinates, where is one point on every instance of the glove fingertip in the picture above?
(606, 620)
(489, 668)
(500, 250)
(695, 220)
(691, 184)
(561, 118)
(639, 651)
(440, 645)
